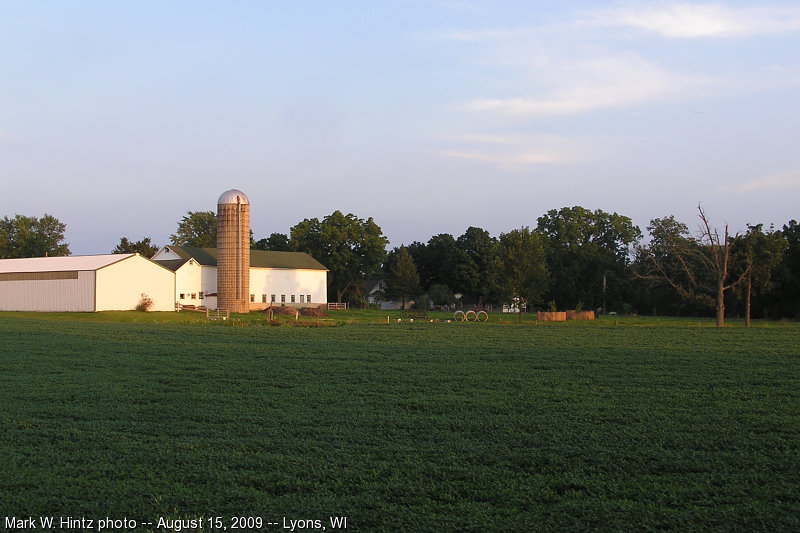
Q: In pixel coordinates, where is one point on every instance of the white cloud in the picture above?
(596, 83)
(687, 21)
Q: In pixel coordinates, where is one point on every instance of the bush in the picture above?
(145, 303)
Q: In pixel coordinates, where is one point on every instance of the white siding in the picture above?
(290, 283)
(120, 286)
(49, 294)
(165, 254)
(187, 282)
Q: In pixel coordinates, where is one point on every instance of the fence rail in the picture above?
(335, 306)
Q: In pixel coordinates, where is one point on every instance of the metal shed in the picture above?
(84, 283)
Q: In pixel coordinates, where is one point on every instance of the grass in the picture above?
(619, 424)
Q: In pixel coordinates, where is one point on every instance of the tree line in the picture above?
(572, 258)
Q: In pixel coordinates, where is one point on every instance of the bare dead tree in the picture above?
(693, 266)
(716, 255)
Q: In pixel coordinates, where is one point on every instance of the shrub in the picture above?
(145, 303)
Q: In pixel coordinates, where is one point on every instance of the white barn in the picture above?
(276, 278)
(113, 282)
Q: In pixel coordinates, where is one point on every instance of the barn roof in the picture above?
(61, 264)
(172, 264)
(258, 258)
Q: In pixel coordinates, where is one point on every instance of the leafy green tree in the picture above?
(351, 248)
(476, 257)
(198, 229)
(402, 279)
(521, 267)
(276, 242)
(143, 247)
(441, 295)
(784, 299)
(666, 270)
(757, 255)
(444, 256)
(587, 251)
(24, 236)
(437, 260)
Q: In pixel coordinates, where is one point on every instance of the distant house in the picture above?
(276, 278)
(89, 283)
(376, 295)
(375, 291)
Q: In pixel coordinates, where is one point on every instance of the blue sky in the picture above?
(119, 117)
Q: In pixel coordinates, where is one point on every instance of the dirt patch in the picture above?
(282, 310)
(313, 311)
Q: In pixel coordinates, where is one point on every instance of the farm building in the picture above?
(90, 283)
(276, 278)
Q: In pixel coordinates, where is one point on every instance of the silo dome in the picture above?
(231, 196)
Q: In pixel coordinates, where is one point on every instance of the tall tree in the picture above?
(443, 256)
(24, 236)
(477, 253)
(351, 248)
(785, 298)
(587, 251)
(757, 255)
(402, 279)
(521, 267)
(198, 229)
(143, 247)
(662, 269)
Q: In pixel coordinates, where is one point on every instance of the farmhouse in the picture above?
(84, 283)
(275, 278)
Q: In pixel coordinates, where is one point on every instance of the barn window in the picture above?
(273, 299)
(263, 298)
(252, 298)
(183, 296)
(201, 295)
(194, 296)
(292, 298)
(283, 298)
(302, 298)
(308, 298)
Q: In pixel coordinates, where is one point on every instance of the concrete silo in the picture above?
(233, 252)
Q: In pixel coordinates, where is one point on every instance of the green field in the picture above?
(618, 424)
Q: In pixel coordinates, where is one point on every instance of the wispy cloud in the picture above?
(778, 181)
(512, 152)
(585, 85)
(537, 71)
(689, 21)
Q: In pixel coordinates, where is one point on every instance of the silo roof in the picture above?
(231, 196)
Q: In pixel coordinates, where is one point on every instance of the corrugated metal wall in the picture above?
(47, 291)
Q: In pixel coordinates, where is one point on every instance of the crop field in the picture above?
(614, 425)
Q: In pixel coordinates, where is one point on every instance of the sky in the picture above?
(429, 116)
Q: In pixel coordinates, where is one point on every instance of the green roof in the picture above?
(173, 264)
(258, 258)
